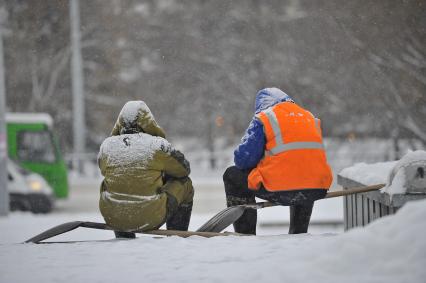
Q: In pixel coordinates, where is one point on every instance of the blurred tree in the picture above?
(359, 65)
(37, 57)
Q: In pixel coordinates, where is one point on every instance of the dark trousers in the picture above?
(301, 202)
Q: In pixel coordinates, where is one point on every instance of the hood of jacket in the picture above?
(269, 97)
(136, 117)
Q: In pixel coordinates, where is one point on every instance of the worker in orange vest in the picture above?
(281, 158)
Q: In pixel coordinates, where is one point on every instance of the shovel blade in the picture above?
(223, 219)
(57, 230)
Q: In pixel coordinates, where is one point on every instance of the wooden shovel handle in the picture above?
(331, 194)
(354, 191)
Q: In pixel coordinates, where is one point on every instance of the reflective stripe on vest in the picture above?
(280, 145)
(275, 126)
(295, 145)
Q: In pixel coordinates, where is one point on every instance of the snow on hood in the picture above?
(130, 110)
(136, 115)
(268, 97)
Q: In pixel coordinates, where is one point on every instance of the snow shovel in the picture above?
(231, 214)
(69, 226)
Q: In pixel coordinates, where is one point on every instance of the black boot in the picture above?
(179, 220)
(237, 193)
(246, 224)
(124, 235)
(299, 218)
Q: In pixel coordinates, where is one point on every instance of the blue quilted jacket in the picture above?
(252, 147)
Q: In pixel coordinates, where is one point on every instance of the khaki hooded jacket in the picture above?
(134, 161)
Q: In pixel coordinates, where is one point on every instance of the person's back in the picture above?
(281, 158)
(295, 157)
(146, 181)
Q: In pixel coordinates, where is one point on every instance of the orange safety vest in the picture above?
(294, 157)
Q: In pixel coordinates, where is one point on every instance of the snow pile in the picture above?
(390, 173)
(397, 179)
(369, 174)
(396, 184)
(391, 249)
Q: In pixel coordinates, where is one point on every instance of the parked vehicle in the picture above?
(32, 144)
(28, 191)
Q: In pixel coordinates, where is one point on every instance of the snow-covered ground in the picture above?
(391, 249)
(146, 258)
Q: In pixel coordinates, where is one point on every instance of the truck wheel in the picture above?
(19, 202)
(41, 204)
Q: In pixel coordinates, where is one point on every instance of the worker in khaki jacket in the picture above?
(281, 159)
(146, 181)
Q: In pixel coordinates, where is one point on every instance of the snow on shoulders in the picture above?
(131, 148)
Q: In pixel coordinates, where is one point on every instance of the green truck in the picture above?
(32, 144)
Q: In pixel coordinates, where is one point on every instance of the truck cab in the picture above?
(28, 191)
(32, 144)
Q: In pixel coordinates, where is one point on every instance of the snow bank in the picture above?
(390, 173)
(369, 174)
(391, 249)
(397, 180)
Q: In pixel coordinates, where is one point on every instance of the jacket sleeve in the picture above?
(252, 146)
(173, 162)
